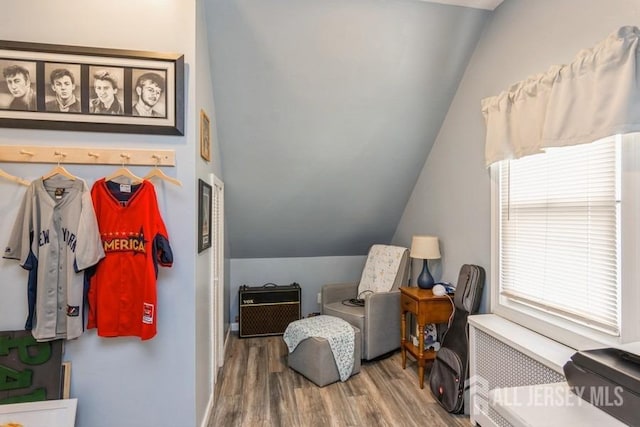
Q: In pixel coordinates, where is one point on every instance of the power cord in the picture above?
(453, 312)
(356, 302)
(353, 302)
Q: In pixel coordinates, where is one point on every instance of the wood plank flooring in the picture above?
(257, 388)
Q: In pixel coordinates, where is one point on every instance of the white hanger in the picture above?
(156, 172)
(59, 170)
(124, 172)
(12, 178)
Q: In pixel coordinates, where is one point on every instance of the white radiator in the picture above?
(503, 354)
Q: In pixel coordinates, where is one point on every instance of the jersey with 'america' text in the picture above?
(122, 294)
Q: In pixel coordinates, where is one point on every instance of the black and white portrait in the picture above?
(149, 93)
(18, 86)
(106, 90)
(62, 87)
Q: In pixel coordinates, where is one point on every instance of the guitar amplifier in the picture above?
(268, 310)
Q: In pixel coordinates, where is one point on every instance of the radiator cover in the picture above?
(496, 364)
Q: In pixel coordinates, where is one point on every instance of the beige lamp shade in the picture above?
(425, 247)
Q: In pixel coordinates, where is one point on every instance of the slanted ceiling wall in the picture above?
(451, 198)
(326, 111)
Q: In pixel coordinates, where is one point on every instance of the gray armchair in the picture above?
(386, 269)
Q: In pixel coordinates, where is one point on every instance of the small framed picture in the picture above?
(204, 215)
(205, 136)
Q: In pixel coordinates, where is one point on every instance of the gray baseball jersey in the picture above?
(56, 236)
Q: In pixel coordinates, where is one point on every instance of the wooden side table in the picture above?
(427, 308)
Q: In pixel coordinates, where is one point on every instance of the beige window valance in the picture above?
(596, 95)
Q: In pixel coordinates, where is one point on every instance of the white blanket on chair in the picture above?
(380, 269)
(339, 333)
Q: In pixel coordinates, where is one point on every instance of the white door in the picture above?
(217, 278)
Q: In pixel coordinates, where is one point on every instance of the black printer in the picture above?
(608, 378)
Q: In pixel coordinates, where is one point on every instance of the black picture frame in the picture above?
(106, 85)
(205, 194)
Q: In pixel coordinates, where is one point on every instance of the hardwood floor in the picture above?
(257, 388)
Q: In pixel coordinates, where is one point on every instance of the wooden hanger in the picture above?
(124, 172)
(156, 172)
(59, 170)
(13, 178)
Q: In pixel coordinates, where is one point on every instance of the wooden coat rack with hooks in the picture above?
(87, 155)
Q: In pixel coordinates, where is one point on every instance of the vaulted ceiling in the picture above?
(326, 112)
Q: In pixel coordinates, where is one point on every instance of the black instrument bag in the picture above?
(450, 368)
(608, 378)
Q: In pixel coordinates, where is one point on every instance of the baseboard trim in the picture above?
(208, 412)
(235, 326)
(226, 345)
(212, 399)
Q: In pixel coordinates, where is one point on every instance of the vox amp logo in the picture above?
(247, 301)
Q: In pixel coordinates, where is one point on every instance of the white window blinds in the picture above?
(559, 233)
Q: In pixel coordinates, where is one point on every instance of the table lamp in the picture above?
(426, 248)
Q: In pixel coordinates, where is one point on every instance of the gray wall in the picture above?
(205, 363)
(451, 198)
(126, 380)
(326, 112)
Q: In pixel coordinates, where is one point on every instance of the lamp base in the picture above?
(425, 280)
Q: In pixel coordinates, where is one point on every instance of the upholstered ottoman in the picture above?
(323, 348)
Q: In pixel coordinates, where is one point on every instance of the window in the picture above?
(558, 223)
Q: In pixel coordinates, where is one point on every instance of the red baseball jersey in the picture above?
(122, 294)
